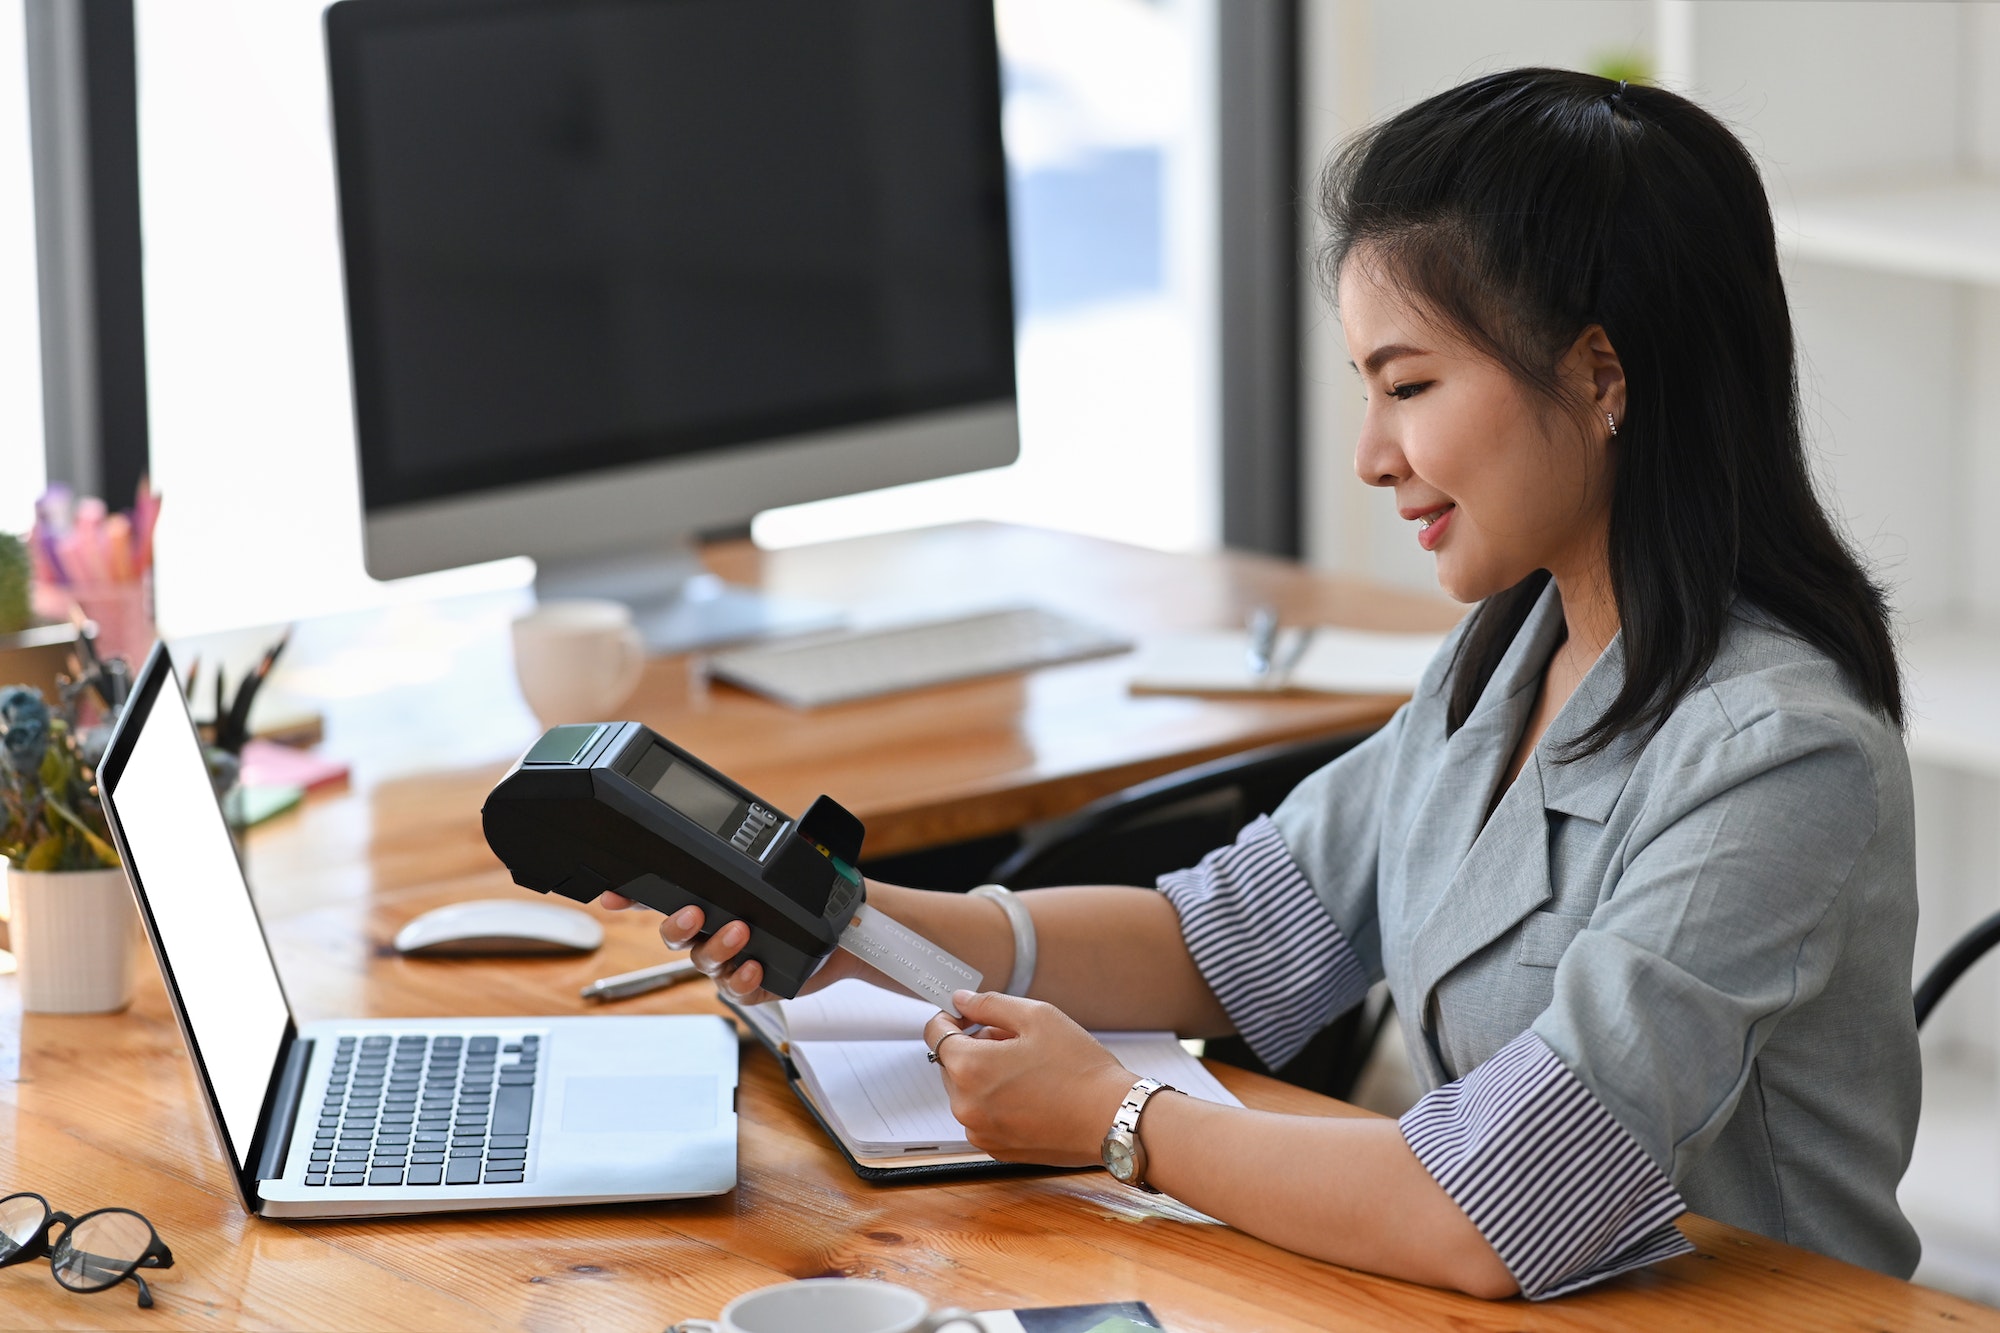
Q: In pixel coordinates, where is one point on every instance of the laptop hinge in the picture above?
(285, 1110)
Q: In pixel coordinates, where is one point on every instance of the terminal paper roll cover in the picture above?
(797, 865)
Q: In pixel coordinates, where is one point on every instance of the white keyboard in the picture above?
(860, 664)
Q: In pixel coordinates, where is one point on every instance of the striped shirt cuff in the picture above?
(1562, 1192)
(1265, 943)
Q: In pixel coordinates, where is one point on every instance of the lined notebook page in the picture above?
(853, 1010)
(884, 1097)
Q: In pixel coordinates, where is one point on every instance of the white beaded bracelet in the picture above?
(1023, 926)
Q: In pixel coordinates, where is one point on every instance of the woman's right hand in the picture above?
(716, 956)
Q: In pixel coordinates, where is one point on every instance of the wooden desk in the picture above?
(97, 1111)
(428, 690)
(944, 765)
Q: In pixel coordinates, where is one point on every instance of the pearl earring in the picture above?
(1612, 422)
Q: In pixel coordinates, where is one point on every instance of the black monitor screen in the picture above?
(586, 233)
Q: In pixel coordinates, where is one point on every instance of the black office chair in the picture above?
(1962, 955)
(1136, 835)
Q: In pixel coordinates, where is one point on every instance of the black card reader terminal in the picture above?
(614, 807)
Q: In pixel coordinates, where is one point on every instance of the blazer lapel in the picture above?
(1503, 878)
(1447, 825)
(1505, 873)
(1589, 787)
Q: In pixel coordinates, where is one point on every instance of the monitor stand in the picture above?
(677, 605)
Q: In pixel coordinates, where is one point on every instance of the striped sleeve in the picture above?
(1562, 1192)
(1234, 906)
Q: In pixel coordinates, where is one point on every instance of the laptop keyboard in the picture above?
(417, 1110)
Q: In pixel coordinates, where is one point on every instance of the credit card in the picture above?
(904, 956)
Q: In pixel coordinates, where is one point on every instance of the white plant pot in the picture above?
(71, 935)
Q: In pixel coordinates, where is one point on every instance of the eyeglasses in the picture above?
(94, 1252)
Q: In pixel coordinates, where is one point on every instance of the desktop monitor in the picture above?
(623, 271)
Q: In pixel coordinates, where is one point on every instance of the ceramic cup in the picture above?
(577, 661)
(830, 1305)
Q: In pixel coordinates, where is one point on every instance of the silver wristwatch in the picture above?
(1124, 1156)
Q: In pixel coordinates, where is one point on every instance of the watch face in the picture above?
(1118, 1157)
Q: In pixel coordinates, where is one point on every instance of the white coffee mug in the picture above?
(577, 661)
(830, 1305)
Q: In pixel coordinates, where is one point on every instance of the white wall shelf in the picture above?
(1948, 230)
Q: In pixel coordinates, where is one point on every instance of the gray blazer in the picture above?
(1712, 930)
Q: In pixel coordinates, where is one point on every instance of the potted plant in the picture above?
(71, 915)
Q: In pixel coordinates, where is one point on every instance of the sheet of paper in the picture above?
(1160, 1055)
(1334, 661)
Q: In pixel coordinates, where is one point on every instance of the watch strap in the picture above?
(1135, 1101)
(1126, 1121)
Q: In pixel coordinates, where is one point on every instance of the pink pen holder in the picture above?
(123, 614)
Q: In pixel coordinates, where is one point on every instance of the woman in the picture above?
(1635, 860)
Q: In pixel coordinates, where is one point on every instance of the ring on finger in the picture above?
(932, 1056)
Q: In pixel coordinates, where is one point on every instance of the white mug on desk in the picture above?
(577, 660)
(830, 1305)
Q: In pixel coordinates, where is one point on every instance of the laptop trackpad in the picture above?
(638, 1104)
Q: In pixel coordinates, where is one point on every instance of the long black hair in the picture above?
(1521, 208)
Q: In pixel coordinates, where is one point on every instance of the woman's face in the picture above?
(1495, 483)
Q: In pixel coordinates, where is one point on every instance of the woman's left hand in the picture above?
(1031, 1086)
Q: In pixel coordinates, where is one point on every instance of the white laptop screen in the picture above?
(182, 859)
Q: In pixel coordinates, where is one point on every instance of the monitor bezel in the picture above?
(153, 677)
(386, 490)
(651, 506)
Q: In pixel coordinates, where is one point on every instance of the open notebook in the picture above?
(855, 1055)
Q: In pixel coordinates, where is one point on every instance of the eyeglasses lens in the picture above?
(22, 1217)
(100, 1250)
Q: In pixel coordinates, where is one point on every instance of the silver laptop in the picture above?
(346, 1118)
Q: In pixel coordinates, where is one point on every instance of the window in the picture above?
(252, 433)
(22, 466)
(1110, 148)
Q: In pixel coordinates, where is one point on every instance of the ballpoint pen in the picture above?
(627, 984)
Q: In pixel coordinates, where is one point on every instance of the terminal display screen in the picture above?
(688, 790)
(696, 797)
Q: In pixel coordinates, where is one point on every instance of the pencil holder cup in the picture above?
(71, 934)
(123, 614)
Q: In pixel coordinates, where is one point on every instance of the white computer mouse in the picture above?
(500, 926)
